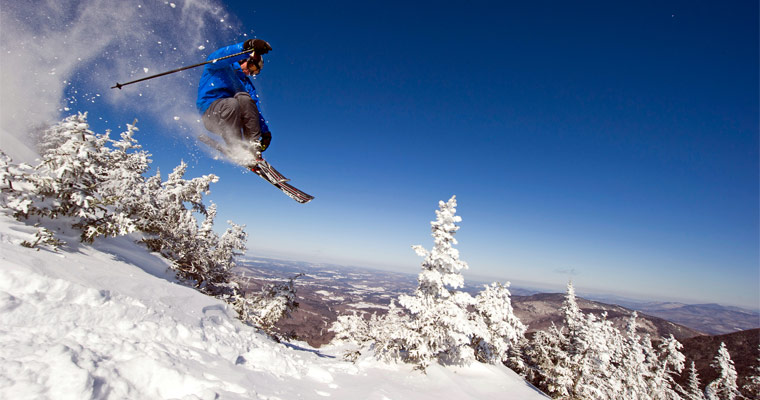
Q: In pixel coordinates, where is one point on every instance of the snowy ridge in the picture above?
(109, 321)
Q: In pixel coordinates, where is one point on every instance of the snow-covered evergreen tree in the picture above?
(752, 387)
(172, 230)
(440, 323)
(16, 192)
(588, 349)
(74, 168)
(390, 333)
(632, 369)
(352, 328)
(669, 363)
(272, 303)
(590, 359)
(9, 174)
(548, 363)
(724, 387)
(439, 326)
(692, 391)
(500, 330)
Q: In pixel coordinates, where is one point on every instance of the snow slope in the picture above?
(110, 322)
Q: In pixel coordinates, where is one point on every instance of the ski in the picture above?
(271, 175)
(264, 170)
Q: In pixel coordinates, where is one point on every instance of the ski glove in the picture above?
(266, 138)
(257, 45)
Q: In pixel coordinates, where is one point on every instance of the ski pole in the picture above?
(120, 85)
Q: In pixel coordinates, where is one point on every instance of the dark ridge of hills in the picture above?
(539, 311)
(742, 346)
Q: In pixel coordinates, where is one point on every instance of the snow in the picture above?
(367, 305)
(109, 321)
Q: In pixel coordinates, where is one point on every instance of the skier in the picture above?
(227, 99)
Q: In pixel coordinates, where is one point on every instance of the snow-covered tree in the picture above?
(352, 328)
(588, 348)
(500, 330)
(752, 387)
(272, 303)
(588, 358)
(231, 244)
(548, 363)
(124, 179)
(8, 174)
(632, 369)
(440, 323)
(724, 387)
(669, 363)
(573, 317)
(172, 229)
(68, 182)
(692, 391)
(439, 327)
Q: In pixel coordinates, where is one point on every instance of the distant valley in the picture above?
(326, 291)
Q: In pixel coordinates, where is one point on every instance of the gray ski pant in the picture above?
(235, 119)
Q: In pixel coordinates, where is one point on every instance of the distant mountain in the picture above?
(327, 291)
(713, 319)
(539, 311)
(742, 346)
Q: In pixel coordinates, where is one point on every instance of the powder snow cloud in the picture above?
(59, 57)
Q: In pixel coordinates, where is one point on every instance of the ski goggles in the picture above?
(255, 60)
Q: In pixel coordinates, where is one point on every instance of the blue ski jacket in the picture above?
(223, 79)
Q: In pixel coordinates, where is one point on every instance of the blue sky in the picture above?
(612, 144)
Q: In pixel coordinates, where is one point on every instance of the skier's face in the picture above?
(250, 68)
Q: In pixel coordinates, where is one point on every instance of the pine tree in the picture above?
(272, 303)
(123, 179)
(669, 363)
(724, 387)
(79, 178)
(352, 328)
(68, 178)
(391, 334)
(440, 323)
(586, 348)
(632, 371)
(174, 232)
(572, 314)
(590, 359)
(692, 390)
(548, 364)
(499, 330)
(752, 387)
(15, 187)
(439, 317)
